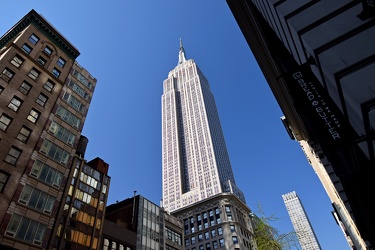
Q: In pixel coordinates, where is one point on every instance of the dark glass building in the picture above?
(319, 60)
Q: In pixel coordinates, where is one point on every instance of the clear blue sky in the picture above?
(130, 46)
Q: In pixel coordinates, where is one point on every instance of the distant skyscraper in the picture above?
(301, 223)
(195, 159)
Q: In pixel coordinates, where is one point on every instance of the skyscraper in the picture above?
(196, 164)
(300, 221)
(198, 182)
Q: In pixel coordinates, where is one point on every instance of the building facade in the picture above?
(316, 58)
(198, 182)
(137, 223)
(220, 222)
(301, 222)
(44, 98)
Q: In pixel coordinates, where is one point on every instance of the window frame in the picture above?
(42, 99)
(61, 62)
(48, 50)
(7, 74)
(32, 117)
(11, 158)
(34, 73)
(49, 85)
(3, 124)
(56, 72)
(22, 136)
(15, 103)
(27, 48)
(3, 183)
(24, 89)
(41, 60)
(34, 39)
(17, 61)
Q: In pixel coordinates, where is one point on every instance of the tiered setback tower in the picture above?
(198, 182)
(195, 159)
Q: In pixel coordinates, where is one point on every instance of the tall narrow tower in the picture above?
(198, 182)
(195, 159)
(300, 221)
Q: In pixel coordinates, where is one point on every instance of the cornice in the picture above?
(41, 24)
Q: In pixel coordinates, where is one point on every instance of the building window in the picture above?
(25, 88)
(76, 104)
(25, 229)
(15, 103)
(48, 50)
(34, 39)
(227, 209)
(77, 89)
(214, 244)
(61, 62)
(42, 61)
(4, 177)
(232, 228)
(36, 199)
(27, 48)
(62, 133)
(68, 117)
(24, 134)
(200, 237)
(187, 243)
(230, 218)
(47, 174)
(173, 236)
(193, 240)
(33, 115)
(42, 99)
(213, 233)
(206, 235)
(235, 239)
(49, 86)
(13, 155)
(34, 73)
(1, 89)
(7, 75)
(5, 120)
(17, 61)
(82, 79)
(219, 231)
(221, 242)
(54, 152)
(56, 72)
(208, 246)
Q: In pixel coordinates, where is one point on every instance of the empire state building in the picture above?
(195, 160)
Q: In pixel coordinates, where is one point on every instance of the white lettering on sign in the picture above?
(320, 106)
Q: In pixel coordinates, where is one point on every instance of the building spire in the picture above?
(181, 54)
